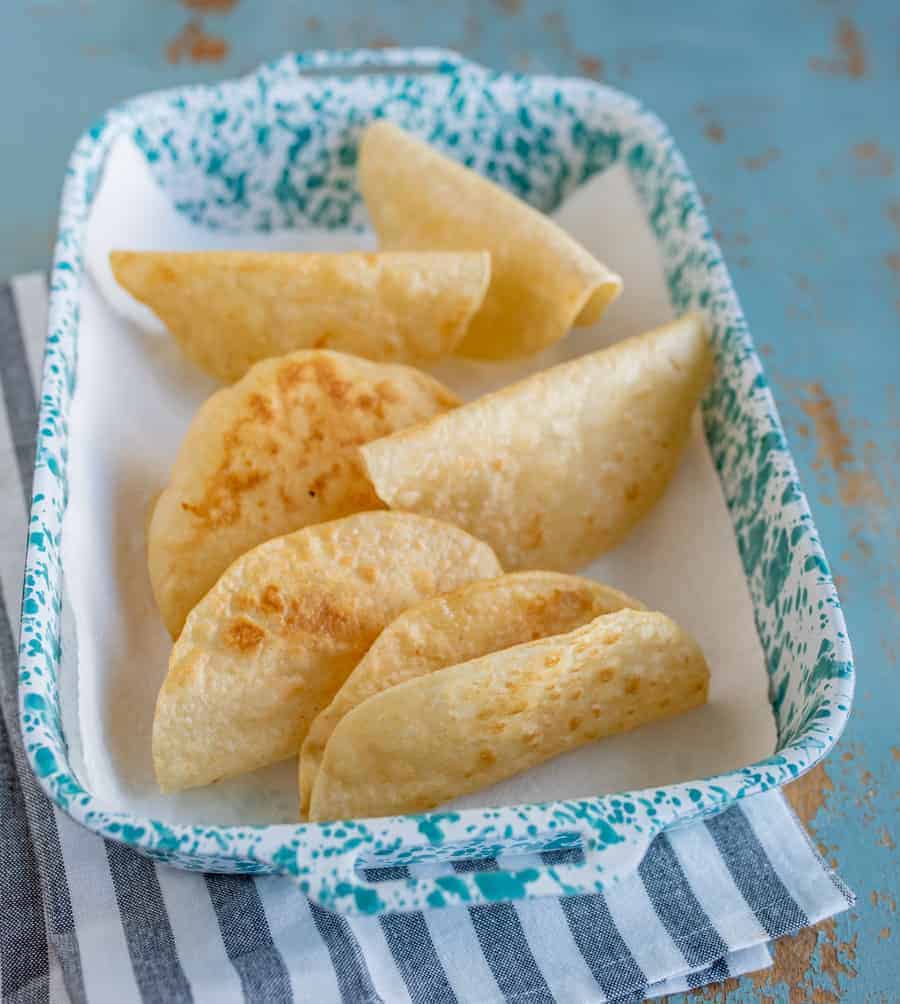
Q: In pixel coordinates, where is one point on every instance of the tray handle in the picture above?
(423, 59)
(350, 883)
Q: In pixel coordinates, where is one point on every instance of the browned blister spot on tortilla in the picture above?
(320, 371)
(387, 391)
(319, 483)
(243, 635)
(270, 601)
(367, 402)
(559, 606)
(221, 506)
(315, 615)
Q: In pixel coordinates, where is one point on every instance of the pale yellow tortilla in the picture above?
(558, 468)
(267, 648)
(461, 729)
(271, 454)
(542, 281)
(229, 309)
(477, 619)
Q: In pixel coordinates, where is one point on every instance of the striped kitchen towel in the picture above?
(83, 919)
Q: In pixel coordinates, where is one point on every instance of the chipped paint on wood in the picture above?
(809, 793)
(849, 58)
(762, 160)
(885, 900)
(834, 443)
(194, 44)
(858, 484)
(892, 211)
(210, 6)
(816, 965)
(630, 59)
(555, 25)
(591, 66)
(873, 160)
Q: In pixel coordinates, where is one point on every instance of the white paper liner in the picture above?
(135, 396)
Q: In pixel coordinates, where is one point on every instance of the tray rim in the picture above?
(276, 848)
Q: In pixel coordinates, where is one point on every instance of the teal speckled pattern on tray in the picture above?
(277, 149)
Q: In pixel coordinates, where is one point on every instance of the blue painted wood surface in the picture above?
(788, 115)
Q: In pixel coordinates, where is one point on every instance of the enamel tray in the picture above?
(556, 133)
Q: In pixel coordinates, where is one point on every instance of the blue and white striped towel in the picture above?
(82, 919)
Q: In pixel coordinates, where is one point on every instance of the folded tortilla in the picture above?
(461, 729)
(229, 309)
(479, 618)
(271, 454)
(542, 280)
(268, 647)
(558, 468)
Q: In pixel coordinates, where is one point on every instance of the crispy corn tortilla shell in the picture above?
(555, 470)
(267, 648)
(434, 738)
(229, 309)
(477, 619)
(542, 281)
(271, 454)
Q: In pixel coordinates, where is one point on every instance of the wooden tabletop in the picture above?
(788, 116)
